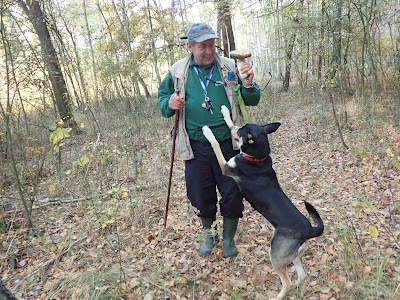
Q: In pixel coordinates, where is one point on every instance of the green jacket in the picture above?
(182, 77)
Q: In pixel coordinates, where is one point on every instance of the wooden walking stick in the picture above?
(171, 166)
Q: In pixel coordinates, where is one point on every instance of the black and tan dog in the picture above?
(252, 170)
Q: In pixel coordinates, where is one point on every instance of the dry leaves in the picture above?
(356, 193)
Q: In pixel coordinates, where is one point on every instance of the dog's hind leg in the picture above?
(286, 282)
(281, 254)
(301, 275)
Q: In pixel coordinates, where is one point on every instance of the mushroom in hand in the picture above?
(241, 57)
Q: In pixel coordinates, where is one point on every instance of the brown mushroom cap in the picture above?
(240, 54)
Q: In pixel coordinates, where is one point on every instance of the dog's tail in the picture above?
(317, 230)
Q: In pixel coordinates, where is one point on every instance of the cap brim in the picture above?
(205, 37)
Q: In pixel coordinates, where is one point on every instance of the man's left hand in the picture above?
(245, 68)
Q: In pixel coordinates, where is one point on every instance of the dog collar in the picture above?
(250, 158)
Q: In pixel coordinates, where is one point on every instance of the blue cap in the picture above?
(200, 32)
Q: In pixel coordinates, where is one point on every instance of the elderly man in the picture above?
(196, 87)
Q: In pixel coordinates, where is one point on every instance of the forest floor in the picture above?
(99, 226)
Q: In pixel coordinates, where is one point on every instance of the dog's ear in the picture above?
(271, 127)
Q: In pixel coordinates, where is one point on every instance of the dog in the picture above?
(257, 180)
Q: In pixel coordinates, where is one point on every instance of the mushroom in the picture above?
(241, 56)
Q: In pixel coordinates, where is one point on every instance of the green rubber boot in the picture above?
(228, 245)
(211, 240)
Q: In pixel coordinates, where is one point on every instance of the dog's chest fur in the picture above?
(259, 185)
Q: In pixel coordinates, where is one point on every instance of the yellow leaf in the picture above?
(84, 161)
(373, 231)
(68, 172)
(52, 187)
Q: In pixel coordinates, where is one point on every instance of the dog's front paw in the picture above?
(227, 115)
(225, 111)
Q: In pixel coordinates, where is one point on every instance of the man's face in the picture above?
(203, 52)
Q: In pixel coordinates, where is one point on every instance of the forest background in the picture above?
(85, 154)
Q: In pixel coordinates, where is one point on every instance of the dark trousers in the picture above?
(203, 175)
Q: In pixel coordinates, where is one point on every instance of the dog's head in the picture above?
(252, 139)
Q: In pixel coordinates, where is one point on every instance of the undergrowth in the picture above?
(100, 203)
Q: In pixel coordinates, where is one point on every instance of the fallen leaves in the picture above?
(132, 257)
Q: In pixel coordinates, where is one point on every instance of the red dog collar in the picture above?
(250, 158)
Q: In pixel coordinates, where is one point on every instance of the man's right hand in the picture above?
(176, 102)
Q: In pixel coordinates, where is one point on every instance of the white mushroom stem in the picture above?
(240, 61)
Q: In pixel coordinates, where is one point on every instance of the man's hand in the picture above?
(176, 101)
(245, 68)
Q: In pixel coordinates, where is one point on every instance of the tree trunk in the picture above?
(147, 15)
(337, 40)
(321, 40)
(229, 30)
(228, 39)
(38, 19)
(96, 85)
(371, 56)
(173, 13)
(289, 51)
(6, 115)
(124, 22)
(163, 29)
(117, 63)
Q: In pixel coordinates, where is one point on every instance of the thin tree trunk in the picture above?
(163, 29)
(38, 19)
(94, 67)
(364, 42)
(114, 51)
(371, 58)
(255, 39)
(321, 40)
(6, 114)
(152, 43)
(176, 32)
(124, 22)
(337, 40)
(290, 47)
(335, 116)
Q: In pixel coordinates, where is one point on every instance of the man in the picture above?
(196, 87)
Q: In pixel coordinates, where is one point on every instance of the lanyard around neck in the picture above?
(204, 85)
